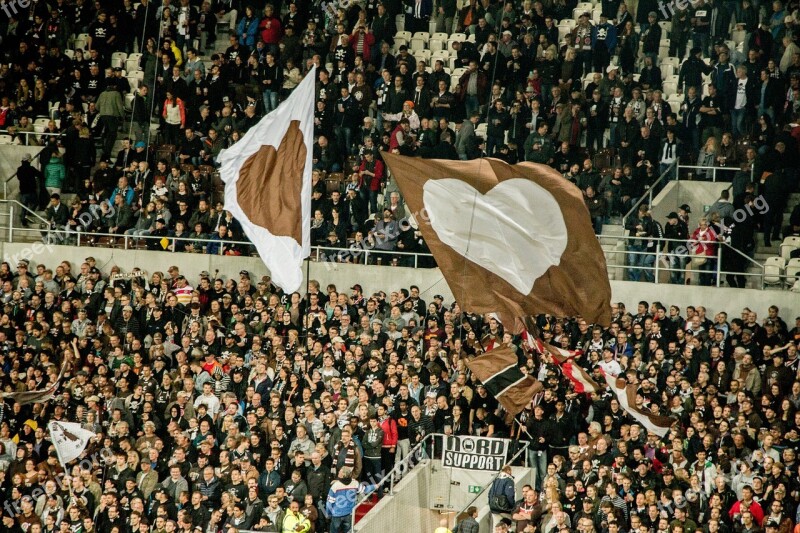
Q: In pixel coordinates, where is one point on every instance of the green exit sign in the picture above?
(474, 489)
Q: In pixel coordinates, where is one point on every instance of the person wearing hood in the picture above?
(29, 178)
(54, 174)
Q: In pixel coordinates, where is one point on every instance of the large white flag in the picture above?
(267, 177)
(70, 439)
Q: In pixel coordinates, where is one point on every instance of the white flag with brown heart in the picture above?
(267, 177)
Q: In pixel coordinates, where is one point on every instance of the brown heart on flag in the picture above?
(269, 188)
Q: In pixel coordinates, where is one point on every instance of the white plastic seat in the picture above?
(440, 35)
(674, 62)
(424, 35)
(5, 139)
(406, 35)
(669, 88)
(69, 52)
(423, 55)
(417, 45)
(773, 270)
(436, 45)
(789, 245)
(792, 271)
(458, 37)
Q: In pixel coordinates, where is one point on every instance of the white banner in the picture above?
(475, 453)
(70, 439)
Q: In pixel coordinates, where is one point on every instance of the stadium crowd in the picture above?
(592, 101)
(225, 403)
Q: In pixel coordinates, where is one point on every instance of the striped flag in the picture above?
(626, 394)
(500, 373)
(581, 380)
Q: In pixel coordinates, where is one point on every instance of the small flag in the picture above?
(500, 374)
(581, 380)
(70, 439)
(164, 242)
(626, 394)
(267, 177)
(520, 232)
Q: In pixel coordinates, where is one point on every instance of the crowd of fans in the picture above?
(589, 101)
(224, 403)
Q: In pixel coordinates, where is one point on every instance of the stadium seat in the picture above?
(471, 38)
(5, 139)
(773, 270)
(131, 64)
(39, 128)
(596, 12)
(436, 45)
(738, 36)
(423, 54)
(789, 245)
(666, 71)
(666, 26)
(405, 35)
(674, 62)
(458, 37)
(441, 36)
(129, 102)
(80, 44)
(424, 35)
(69, 52)
(481, 129)
(792, 271)
(670, 88)
(417, 45)
(400, 22)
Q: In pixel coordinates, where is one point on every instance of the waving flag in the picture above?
(516, 240)
(36, 396)
(499, 372)
(626, 394)
(580, 379)
(69, 439)
(267, 177)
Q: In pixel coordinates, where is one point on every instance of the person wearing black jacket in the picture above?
(271, 80)
(538, 429)
(741, 238)
(28, 186)
(640, 226)
(676, 229)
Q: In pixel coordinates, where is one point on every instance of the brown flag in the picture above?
(499, 371)
(511, 239)
(36, 396)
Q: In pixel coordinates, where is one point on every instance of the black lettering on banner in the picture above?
(475, 453)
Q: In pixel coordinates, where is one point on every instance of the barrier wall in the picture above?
(10, 157)
(373, 278)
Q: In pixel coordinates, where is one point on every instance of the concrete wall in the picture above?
(10, 158)
(372, 278)
(697, 194)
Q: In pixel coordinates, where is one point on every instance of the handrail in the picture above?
(649, 194)
(714, 171)
(398, 469)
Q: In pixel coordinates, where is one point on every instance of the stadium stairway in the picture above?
(613, 248)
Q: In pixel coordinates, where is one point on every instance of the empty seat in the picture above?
(5, 139)
(406, 35)
(436, 45)
(670, 88)
(672, 61)
(417, 45)
(773, 270)
(458, 37)
(424, 35)
(441, 36)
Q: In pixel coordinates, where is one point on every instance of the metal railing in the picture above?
(700, 173)
(656, 260)
(656, 186)
(415, 456)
